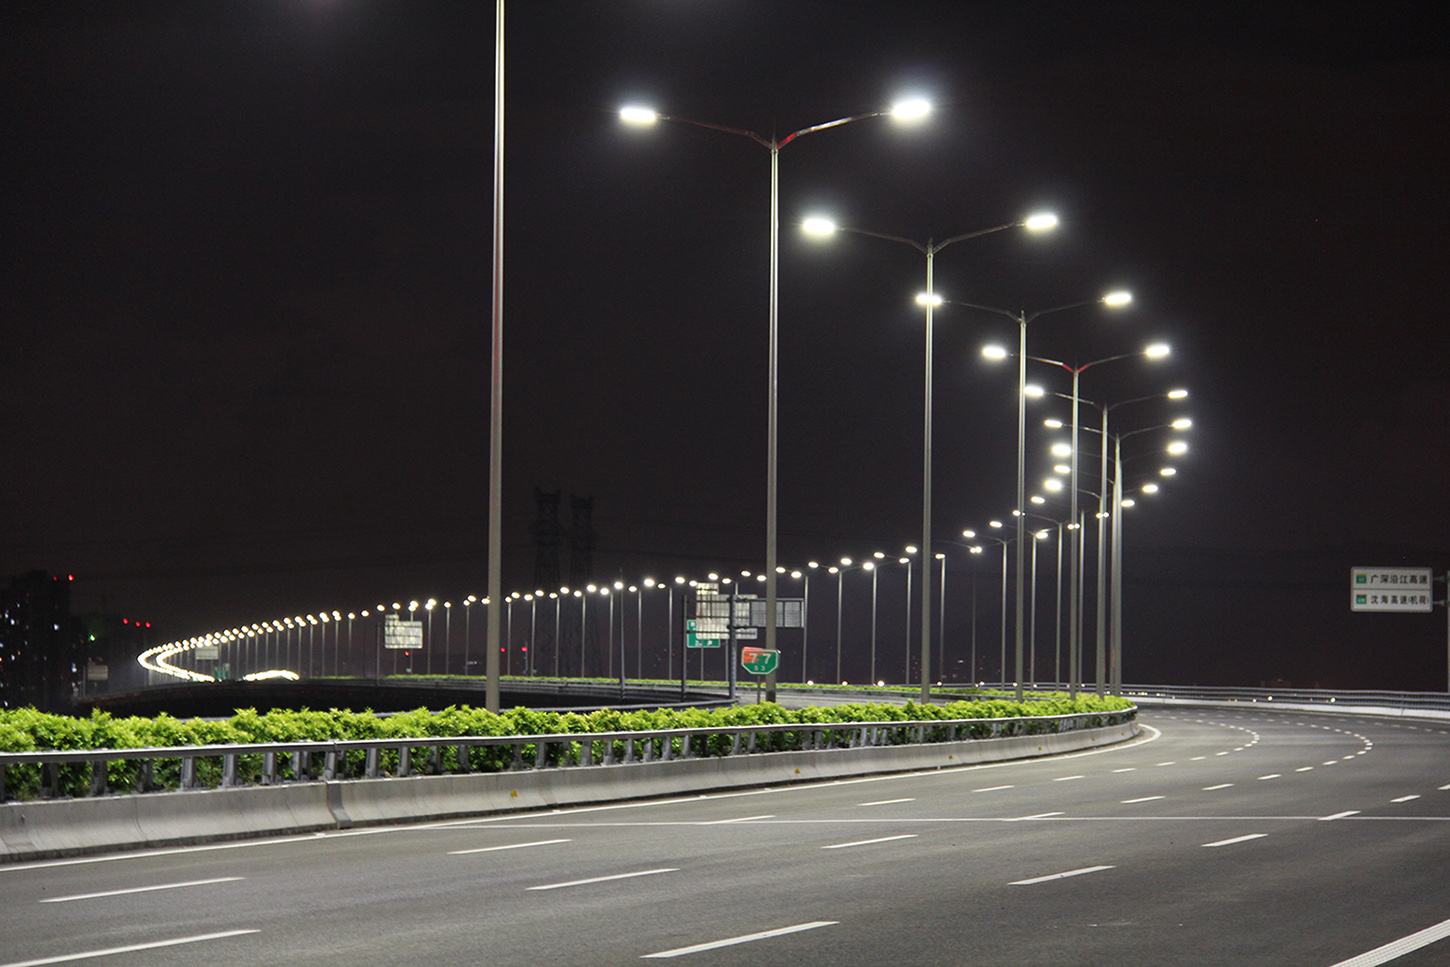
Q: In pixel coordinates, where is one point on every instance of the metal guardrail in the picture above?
(95, 772)
(1296, 696)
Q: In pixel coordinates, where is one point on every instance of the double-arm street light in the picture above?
(1023, 318)
(819, 226)
(970, 535)
(910, 110)
(1154, 351)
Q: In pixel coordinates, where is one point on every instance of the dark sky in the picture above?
(246, 256)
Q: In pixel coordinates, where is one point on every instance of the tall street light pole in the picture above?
(1023, 318)
(822, 227)
(495, 429)
(909, 110)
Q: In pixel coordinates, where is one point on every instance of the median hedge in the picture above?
(25, 730)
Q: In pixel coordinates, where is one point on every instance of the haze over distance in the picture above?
(247, 302)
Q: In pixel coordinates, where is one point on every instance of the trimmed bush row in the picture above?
(25, 730)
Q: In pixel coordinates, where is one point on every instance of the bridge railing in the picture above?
(1439, 701)
(99, 772)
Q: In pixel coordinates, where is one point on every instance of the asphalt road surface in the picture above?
(1218, 837)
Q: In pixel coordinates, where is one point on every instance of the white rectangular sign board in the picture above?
(207, 653)
(1391, 589)
(399, 635)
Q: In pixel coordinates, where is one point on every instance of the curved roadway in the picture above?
(1218, 837)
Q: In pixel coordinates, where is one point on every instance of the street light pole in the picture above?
(840, 588)
(910, 110)
(495, 432)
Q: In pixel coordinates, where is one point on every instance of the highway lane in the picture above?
(1219, 837)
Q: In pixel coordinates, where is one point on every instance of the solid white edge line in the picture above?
(141, 889)
(1237, 839)
(494, 849)
(1398, 948)
(602, 879)
(111, 951)
(1060, 876)
(746, 938)
(868, 842)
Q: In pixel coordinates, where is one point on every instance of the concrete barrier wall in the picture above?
(34, 830)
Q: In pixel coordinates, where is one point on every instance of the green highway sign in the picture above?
(759, 661)
(694, 639)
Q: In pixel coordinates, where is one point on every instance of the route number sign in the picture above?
(759, 661)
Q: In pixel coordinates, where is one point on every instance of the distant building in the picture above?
(41, 655)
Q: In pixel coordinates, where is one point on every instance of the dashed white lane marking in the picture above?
(1237, 839)
(1170, 763)
(604, 879)
(886, 802)
(1272, 775)
(868, 842)
(1347, 812)
(1346, 757)
(1405, 798)
(1066, 778)
(1221, 785)
(993, 788)
(142, 889)
(494, 849)
(1304, 769)
(1019, 819)
(747, 938)
(1198, 758)
(1128, 769)
(1444, 787)
(1220, 753)
(737, 819)
(1060, 876)
(1329, 762)
(111, 951)
(1398, 948)
(1128, 802)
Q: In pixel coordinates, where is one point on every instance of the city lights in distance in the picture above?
(638, 115)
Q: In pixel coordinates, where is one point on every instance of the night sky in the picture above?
(246, 301)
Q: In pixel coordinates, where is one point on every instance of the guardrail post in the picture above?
(145, 779)
(541, 755)
(229, 769)
(735, 743)
(98, 777)
(586, 752)
(608, 753)
(329, 765)
(405, 761)
(463, 764)
(269, 768)
(667, 748)
(370, 763)
(649, 749)
(188, 772)
(685, 750)
(517, 762)
(3, 795)
(50, 780)
(629, 749)
(435, 760)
